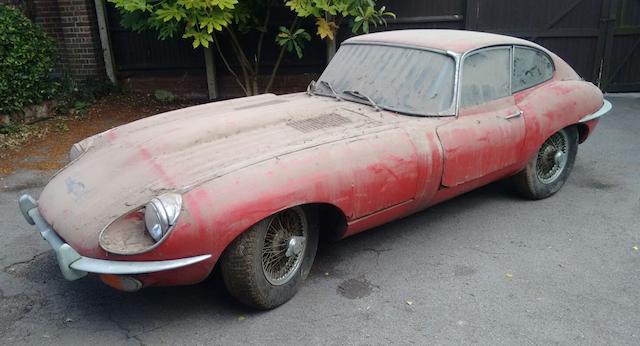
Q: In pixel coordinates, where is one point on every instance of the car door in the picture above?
(488, 133)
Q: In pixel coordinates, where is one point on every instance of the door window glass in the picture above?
(485, 76)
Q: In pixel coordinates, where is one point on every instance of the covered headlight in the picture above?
(142, 229)
(161, 213)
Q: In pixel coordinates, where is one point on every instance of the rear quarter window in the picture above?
(530, 68)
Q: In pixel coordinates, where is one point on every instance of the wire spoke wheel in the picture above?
(284, 246)
(552, 157)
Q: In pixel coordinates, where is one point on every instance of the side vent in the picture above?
(318, 123)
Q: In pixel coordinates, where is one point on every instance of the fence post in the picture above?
(105, 42)
(610, 26)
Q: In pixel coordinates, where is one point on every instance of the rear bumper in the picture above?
(606, 108)
(74, 266)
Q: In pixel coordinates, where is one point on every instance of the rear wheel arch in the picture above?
(530, 184)
(583, 132)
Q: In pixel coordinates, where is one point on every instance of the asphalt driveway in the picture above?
(486, 268)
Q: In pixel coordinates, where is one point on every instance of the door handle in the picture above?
(513, 115)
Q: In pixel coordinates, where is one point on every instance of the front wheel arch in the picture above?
(240, 261)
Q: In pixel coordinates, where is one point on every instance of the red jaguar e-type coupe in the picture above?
(398, 121)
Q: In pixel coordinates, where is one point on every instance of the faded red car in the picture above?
(398, 121)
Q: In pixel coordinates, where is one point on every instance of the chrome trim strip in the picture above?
(97, 266)
(74, 266)
(606, 108)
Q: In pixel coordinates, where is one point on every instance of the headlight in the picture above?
(161, 214)
(143, 229)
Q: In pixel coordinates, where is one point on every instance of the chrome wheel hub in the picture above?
(552, 157)
(284, 245)
(295, 247)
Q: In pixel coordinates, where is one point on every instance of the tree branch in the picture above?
(242, 60)
(226, 63)
(261, 39)
(279, 60)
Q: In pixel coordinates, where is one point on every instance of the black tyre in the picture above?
(265, 266)
(549, 169)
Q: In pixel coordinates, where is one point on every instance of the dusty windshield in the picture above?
(399, 79)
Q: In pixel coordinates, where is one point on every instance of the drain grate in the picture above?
(321, 122)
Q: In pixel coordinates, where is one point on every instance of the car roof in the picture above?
(459, 41)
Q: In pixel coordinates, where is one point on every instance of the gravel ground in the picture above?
(485, 268)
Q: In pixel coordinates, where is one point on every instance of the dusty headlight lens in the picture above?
(161, 213)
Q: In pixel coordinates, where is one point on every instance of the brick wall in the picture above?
(73, 24)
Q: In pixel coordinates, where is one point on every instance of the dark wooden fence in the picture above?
(599, 38)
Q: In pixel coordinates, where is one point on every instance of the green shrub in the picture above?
(164, 96)
(77, 95)
(26, 62)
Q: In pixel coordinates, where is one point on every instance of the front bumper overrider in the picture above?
(75, 266)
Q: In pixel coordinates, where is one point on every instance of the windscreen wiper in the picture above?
(333, 91)
(359, 95)
(311, 87)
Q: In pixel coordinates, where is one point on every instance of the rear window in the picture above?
(530, 67)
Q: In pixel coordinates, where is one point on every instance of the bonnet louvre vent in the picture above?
(321, 122)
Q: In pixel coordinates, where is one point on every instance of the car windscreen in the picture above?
(401, 79)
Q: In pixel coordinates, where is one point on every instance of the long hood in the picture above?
(127, 166)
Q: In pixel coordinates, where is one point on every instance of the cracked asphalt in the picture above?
(484, 268)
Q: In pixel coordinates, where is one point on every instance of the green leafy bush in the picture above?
(26, 61)
(75, 96)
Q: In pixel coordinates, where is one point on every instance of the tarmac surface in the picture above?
(484, 268)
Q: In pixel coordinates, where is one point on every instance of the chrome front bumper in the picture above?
(74, 266)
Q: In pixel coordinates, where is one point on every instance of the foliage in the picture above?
(199, 21)
(12, 129)
(164, 96)
(330, 13)
(76, 96)
(26, 61)
(195, 19)
(293, 41)
(13, 136)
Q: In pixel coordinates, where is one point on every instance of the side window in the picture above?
(485, 76)
(530, 68)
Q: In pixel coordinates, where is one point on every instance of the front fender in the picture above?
(358, 176)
